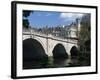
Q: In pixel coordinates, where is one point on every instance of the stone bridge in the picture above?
(48, 44)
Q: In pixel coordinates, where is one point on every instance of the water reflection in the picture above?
(53, 63)
(61, 62)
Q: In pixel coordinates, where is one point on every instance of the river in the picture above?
(54, 63)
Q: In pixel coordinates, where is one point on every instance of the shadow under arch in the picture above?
(59, 52)
(32, 51)
(74, 52)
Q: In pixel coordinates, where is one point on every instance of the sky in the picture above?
(40, 19)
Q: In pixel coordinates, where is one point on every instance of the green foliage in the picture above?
(85, 32)
(25, 23)
(84, 58)
(26, 13)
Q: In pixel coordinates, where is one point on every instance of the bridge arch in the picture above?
(35, 38)
(41, 42)
(74, 51)
(33, 49)
(59, 51)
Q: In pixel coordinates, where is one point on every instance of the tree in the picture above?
(26, 13)
(85, 33)
(26, 23)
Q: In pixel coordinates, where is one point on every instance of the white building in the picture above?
(73, 29)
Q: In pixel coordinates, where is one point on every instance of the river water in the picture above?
(54, 63)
